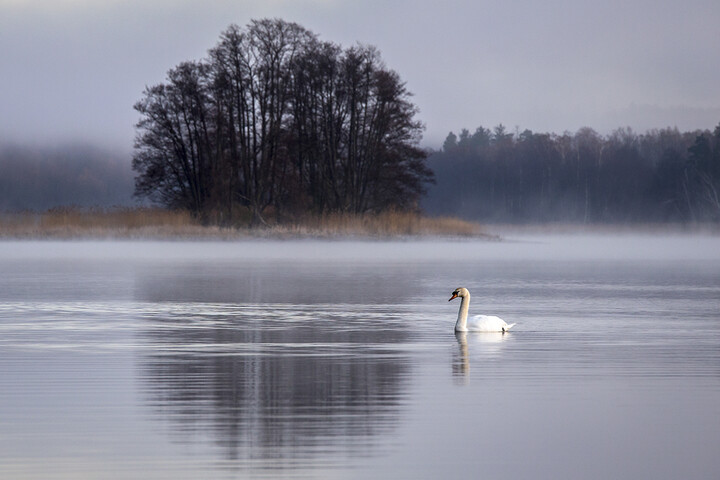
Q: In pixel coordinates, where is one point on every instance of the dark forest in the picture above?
(499, 176)
(658, 176)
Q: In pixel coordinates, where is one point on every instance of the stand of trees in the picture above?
(276, 119)
(660, 176)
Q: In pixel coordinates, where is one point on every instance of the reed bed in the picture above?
(101, 223)
(156, 223)
(387, 224)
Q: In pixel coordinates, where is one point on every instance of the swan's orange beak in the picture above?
(454, 296)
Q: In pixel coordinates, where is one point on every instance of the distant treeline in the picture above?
(42, 178)
(499, 176)
(276, 119)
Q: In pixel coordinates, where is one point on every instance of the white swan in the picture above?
(478, 323)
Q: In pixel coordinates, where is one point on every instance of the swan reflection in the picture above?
(483, 346)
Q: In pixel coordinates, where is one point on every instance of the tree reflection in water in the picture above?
(300, 383)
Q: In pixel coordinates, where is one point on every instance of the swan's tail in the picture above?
(508, 327)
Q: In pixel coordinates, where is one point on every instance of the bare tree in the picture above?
(174, 147)
(252, 78)
(704, 173)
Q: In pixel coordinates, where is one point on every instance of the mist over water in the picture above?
(314, 359)
(75, 175)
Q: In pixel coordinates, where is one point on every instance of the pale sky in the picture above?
(71, 70)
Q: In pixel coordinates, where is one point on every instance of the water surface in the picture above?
(309, 359)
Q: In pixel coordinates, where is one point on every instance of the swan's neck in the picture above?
(461, 325)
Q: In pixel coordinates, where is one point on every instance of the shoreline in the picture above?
(235, 236)
(166, 225)
(569, 229)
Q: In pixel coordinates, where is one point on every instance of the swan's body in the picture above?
(478, 323)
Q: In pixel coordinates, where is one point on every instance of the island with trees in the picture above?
(275, 119)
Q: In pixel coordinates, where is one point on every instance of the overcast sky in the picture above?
(70, 70)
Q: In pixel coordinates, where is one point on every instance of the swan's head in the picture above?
(460, 292)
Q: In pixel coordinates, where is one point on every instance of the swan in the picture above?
(478, 323)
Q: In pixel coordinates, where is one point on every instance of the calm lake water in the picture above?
(337, 360)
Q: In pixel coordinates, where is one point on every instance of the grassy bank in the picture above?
(154, 223)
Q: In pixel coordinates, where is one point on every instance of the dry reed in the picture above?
(98, 223)
(155, 223)
(386, 224)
